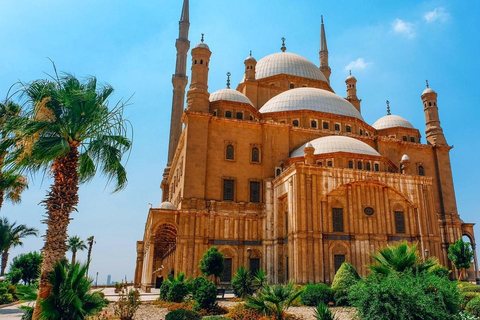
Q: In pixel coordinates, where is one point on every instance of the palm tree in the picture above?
(461, 256)
(399, 258)
(11, 236)
(274, 300)
(75, 244)
(69, 132)
(12, 184)
(90, 241)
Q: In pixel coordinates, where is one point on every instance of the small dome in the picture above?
(391, 121)
(250, 58)
(405, 157)
(309, 145)
(202, 45)
(428, 90)
(287, 63)
(167, 206)
(229, 95)
(350, 78)
(310, 99)
(331, 144)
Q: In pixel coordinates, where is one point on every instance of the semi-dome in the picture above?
(311, 99)
(229, 95)
(287, 63)
(391, 121)
(332, 144)
(166, 205)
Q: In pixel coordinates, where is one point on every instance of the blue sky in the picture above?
(392, 47)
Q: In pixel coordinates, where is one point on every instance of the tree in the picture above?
(29, 266)
(399, 258)
(461, 256)
(70, 298)
(212, 263)
(11, 236)
(12, 184)
(69, 132)
(90, 241)
(242, 283)
(75, 244)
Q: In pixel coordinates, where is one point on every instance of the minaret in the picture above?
(250, 64)
(351, 83)
(324, 54)
(179, 81)
(197, 95)
(433, 131)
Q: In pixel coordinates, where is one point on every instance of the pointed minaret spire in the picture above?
(179, 82)
(324, 53)
(388, 108)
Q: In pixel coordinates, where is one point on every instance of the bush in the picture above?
(322, 312)
(465, 297)
(316, 293)
(439, 271)
(344, 279)
(204, 293)
(182, 314)
(28, 313)
(127, 304)
(241, 312)
(164, 288)
(405, 296)
(242, 283)
(8, 292)
(468, 287)
(177, 292)
(473, 306)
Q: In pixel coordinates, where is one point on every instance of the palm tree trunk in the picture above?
(2, 195)
(61, 201)
(74, 255)
(4, 261)
(90, 245)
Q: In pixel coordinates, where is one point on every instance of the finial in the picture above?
(250, 53)
(283, 48)
(321, 17)
(350, 71)
(228, 80)
(427, 83)
(388, 108)
(202, 37)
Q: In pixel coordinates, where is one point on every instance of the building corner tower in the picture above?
(179, 82)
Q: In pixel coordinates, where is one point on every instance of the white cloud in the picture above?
(404, 28)
(439, 14)
(358, 64)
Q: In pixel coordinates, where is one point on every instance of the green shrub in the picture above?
(473, 306)
(468, 287)
(177, 292)
(439, 271)
(316, 293)
(465, 297)
(8, 292)
(182, 314)
(344, 279)
(242, 283)
(164, 288)
(405, 296)
(322, 312)
(28, 313)
(204, 293)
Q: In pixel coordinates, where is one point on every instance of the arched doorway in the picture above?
(165, 244)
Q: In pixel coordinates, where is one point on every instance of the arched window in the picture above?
(421, 171)
(295, 123)
(350, 164)
(359, 165)
(325, 125)
(229, 152)
(255, 154)
(412, 139)
(292, 86)
(255, 191)
(228, 114)
(337, 127)
(330, 163)
(404, 138)
(201, 61)
(337, 219)
(228, 189)
(278, 171)
(361, 132)
(313, 123)
(240, 115)
(368, 166)
(195, 62)
(399, 222)
(377, 167)
(348, 129)
(319, 163)
(429, 104)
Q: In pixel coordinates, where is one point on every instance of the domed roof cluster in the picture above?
(311, 99)
(391, 121)
(331, 144)
(229, 95)
(287, 63)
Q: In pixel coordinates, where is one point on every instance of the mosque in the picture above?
(285, 175)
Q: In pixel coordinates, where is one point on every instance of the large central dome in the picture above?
(287, 63)
(311, 99)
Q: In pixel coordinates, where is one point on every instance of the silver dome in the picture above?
(229, 95)
(392, 121)
(287, 63)
(311, 99)
(167, 206)
(332, 144)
